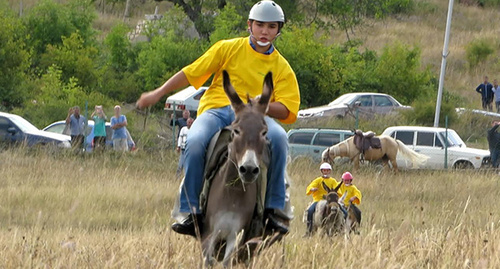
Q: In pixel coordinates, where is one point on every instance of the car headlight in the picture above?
(318, 114)
(64, 144)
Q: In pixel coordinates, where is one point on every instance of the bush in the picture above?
(51, 101)
(424, 112)
(478, 51)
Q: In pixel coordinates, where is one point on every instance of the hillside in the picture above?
(424, 28)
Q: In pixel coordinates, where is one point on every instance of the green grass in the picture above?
(111, 211)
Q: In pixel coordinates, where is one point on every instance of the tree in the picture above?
(399, 73)
(347, 14)
(203, 13)
(319, 80)
(14, 60)
(74, 59)
(50, 102)
(228, 24)
(48, 22)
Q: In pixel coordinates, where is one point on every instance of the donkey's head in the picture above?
(331, 196)
(249, 129)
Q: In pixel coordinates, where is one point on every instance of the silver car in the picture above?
(15, 130)
(366, 103)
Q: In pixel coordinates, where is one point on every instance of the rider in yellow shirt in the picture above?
(247, 60)
(318, 191)
(350, 193)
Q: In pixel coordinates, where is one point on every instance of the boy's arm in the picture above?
(313, 186)
(356, 198)
(278, 111)
(177, 81)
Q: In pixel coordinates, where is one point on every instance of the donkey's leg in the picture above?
(230, 248)
(208, 250)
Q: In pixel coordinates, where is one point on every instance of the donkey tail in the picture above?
(416, 158)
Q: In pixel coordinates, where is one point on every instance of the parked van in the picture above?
(311, 142)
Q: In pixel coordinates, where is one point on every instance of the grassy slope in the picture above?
(426, 29)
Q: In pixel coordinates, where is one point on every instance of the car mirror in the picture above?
(11, 130)
(357, 103)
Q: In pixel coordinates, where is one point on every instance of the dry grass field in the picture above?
(110, 211)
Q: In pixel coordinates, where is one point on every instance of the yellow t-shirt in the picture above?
(351, 191)
(247, 69)
(316, 183)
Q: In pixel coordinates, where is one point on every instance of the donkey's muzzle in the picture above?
(248, 172)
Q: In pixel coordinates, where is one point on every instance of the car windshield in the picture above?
(454, 139)
(343, 99)
(23, 124)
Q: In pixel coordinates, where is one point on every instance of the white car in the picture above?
(367, 104)
(430, 141)
(189, 99)
(15, 130)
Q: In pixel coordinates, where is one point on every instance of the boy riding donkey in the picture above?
(247, 60)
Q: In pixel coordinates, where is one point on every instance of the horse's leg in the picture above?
(355, 162)
(230, 247)
(394, 164)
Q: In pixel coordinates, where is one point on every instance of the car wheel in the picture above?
(463, 165)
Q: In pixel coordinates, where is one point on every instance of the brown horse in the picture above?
(234, 191)
(388, 151)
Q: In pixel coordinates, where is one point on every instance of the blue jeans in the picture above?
(310, 213)
(200, 134)
(494, 157)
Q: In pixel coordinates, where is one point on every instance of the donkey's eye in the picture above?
(236, 131)
(264, 133)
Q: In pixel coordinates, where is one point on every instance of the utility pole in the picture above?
(443, 64)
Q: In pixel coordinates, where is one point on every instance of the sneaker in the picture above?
(273, 223)
(188, 225)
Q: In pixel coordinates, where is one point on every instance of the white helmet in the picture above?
(325, 166)
(266, 11)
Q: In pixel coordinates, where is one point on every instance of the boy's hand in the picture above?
(148, 99)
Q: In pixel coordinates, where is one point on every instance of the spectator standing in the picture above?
(180, 122)
(99, 128)
(486, 91)
(76, 124)
(496, 91)
(181, 145)
(118, 124)
(494, 143)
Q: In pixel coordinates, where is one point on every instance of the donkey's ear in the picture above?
(327, 189)
(338, 186)
(267, 92)
(236, 102)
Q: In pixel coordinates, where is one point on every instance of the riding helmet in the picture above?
(347, 175)
(325, 166)
(267, 11)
